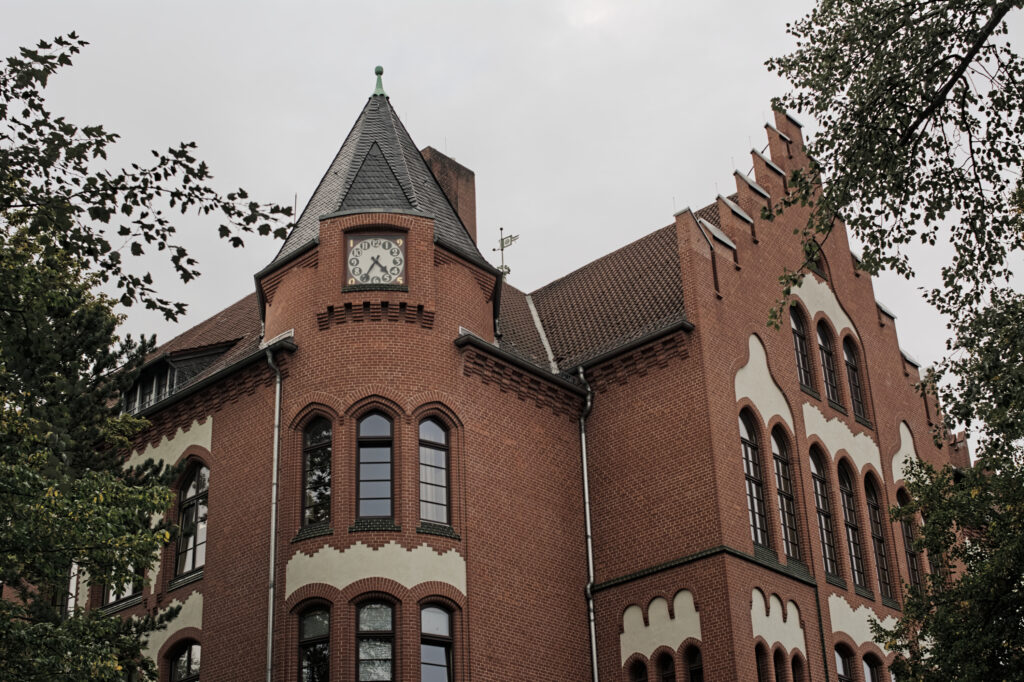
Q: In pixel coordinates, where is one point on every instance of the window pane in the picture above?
(318, 432)
(433, 493)
(436, 621)
(316, 665)
(433, 431)
(375, 618)
(378, 489)
(376, 454)
(314, 624)
(433, 654)
(375, 472)
(375, 507)
(434, 458)
(374, 426)
(432, 475)
(436, 513)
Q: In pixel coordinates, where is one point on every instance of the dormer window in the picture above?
(163, 377)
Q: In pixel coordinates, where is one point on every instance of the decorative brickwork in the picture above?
(375, 311)
(524, 386)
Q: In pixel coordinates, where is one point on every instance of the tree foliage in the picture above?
(66, 502)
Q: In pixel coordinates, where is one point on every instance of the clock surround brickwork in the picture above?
(668, 503)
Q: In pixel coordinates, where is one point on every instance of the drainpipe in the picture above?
(273, 513)
(586, 521)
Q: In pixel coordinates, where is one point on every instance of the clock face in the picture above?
(376, 259)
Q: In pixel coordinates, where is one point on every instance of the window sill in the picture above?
(864, 592)
(428, 528)
(186, 579)
(365, 525)
(314, 531)
(836, 406)
(810, 391)
(835, 580)
(864, 422)
(891, 603)
(766, 553)
(120, 605)
(797, 566)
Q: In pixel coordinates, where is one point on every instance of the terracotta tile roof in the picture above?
(519, 334)
(229, 325)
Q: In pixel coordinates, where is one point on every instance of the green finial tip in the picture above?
(380, 84)
(379, 71)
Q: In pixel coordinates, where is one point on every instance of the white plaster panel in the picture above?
(855, 623)
(777, 625)
(818, 297)
(637, 638)
(168, 450)
(836, 436)
(340, 569)
(905, 454)
(754, 381)
(190, 616)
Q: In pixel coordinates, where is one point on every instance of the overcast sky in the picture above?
(588, 123)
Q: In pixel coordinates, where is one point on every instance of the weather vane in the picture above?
(503, 244)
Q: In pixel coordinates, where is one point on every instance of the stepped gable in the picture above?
(380, 168)
(519, 334)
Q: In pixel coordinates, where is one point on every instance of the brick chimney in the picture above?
(458, 183)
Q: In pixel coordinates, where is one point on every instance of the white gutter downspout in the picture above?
(273, 514)
(586, 520)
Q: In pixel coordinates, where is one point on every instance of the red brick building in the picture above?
(385, 449)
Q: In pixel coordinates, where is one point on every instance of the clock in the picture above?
(376, 260)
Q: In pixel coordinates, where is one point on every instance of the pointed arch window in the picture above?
(694, 664)
(913, 559)
(316, 465)
(787, 504)
(779, 661)
(828, 363)
(375, 446)
(853, 375)
(849, 501)
(638, 672)
(666, 668)
(819, 476)
(435, 644)
(878, 539)
(192, 512)
(755, 485)
(803, 362)
(761, 661)
(314, 645)
(433, 472)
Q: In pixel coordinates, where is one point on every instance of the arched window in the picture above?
(638, 672)
(316, 478)
(798, 670)
(191, 554)
(185, 664)
(872, 669)
(844, 665)
(694, 664)
(784, 485)
(876, 520)
(755, 487)
(821, 502)
(853, 375)
(375, 466)
(828, 363)
(779, 661)
(761, 660)
(913, 560)
(435, 644)
(852, 526)
(314, 645)
(666, 668)
(433, 472)
(376, 634)
(803, 363)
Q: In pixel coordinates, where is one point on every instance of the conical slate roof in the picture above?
(380, 169)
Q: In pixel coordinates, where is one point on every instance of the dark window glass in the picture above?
(185, 666)
(755, 487)
(694, 664)
(787, 506)
(191, 553)
(852, 526)
(666, 668)
(872, 670)
(913, 560)
(853, 374)
(798, 671)
(638, 672)
(435, 645)
(314, 645)
(780, 667)
(844, 666)
(316, 462)
(374, 444)
(803, 363)
(376, 635)
(877, 520)
(433, 471)
(824, 509)
(828, 363)
(115, 593)
(761, 658)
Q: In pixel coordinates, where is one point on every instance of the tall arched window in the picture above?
(761, 661)
(828, 363)
(694, 664)
(844, 665)
(872, 668)
(638, 672)
(314, 645)
(853, 375)
(849, 500)
(779, 661)
(192, 512)
(784, 485)
(799, 675)
(375, 466)
(433, 471)
(666, 668)
(316, 478)
(819, 476)
(803, 362)
(185, 664)
(878, 544)
(755, 487)
(913, 559)
(435, 644)
(376, 634)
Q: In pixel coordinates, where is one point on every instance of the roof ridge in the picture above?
(395, 123)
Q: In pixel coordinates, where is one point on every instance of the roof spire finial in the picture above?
(380, 84)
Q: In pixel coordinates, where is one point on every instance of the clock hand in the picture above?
(377, 263)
